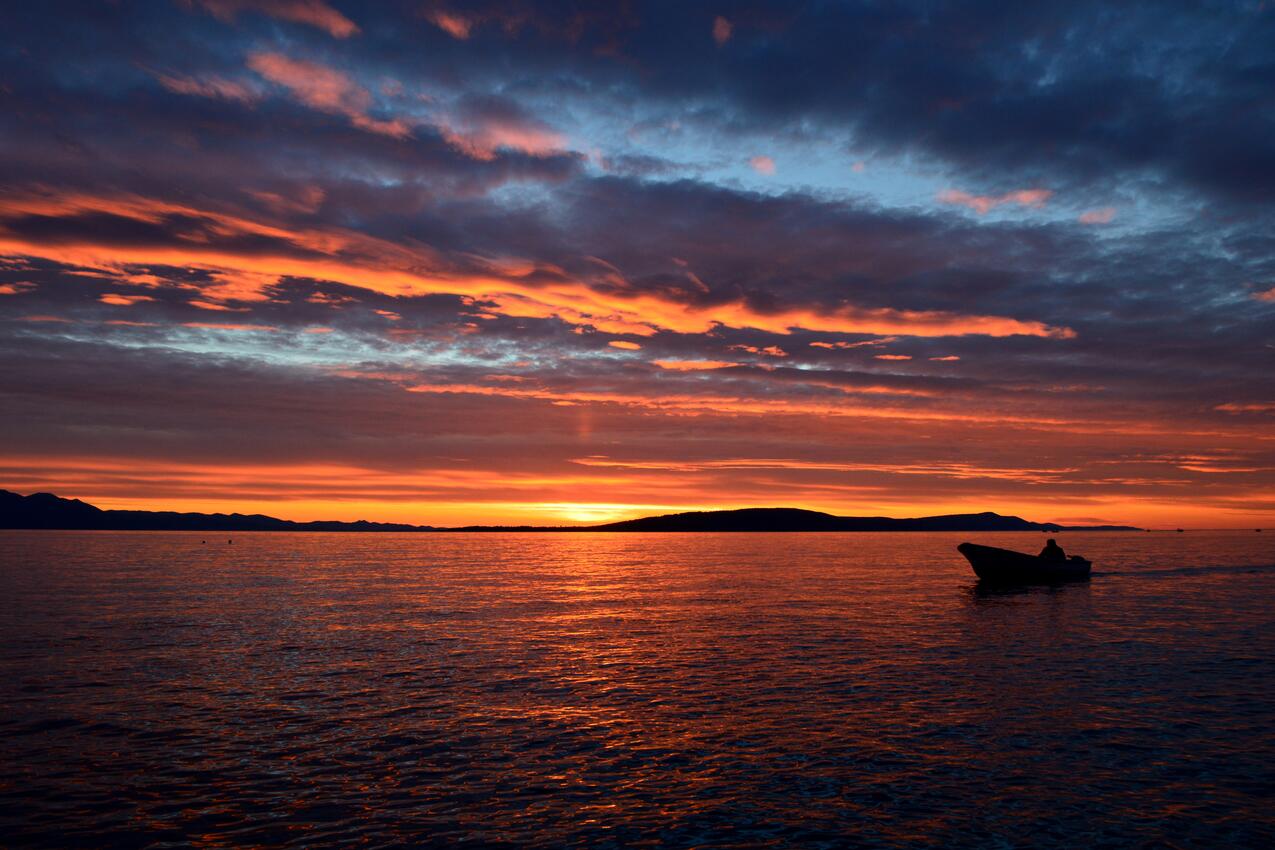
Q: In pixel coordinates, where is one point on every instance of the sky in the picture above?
(513, 262)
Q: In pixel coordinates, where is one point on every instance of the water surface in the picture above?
(562, 690)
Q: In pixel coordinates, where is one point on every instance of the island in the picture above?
(47, 511)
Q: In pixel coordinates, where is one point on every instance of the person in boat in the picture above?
(1052, 551)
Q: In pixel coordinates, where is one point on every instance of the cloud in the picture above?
(302, 199)
(212, 86)
(624, 344)
(768, 351)
(860, 344)
(982, 204)
(78, 229)
(694, 365)
(722, 30)
(892, 356)
(315, 13)
(121, 300)
(200, 304)
(227, 326)
(762, 165)
(1268, 295)
(326, 90)
(454, 24)
(480, 127)
(1098, 216)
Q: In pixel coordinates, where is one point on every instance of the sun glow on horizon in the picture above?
(557, 492)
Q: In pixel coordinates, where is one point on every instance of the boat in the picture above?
(1005, 566)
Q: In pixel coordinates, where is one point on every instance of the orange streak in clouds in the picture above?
(226, 326)
(316, 13)
(367, 262)
(324, 89)
(982, 204)
(455, 25)
(693, 365)
(119, 300)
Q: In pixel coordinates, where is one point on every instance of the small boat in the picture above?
(1004, 566)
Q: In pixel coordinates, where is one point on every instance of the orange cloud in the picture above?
(315, 13)
(456, 25)
(893, 356)
(1099, 216)
(1268, 295)
(326, 90)
(212, 305)
(769, 351)
(762, 165)
(842, 344)
(840, 404)
(482, 137)
(693, 365)
(624, 344)
(722, 30)
(227, 326)
(215, 87)
(950, 470)
(353, 258)
(307, 199)
(982, 204)
(123, 300)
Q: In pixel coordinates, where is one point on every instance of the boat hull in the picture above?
(1004, 566)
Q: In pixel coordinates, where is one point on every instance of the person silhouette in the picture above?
(1053, 551)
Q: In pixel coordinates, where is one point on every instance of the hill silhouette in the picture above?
(797, 519)
(47, 511)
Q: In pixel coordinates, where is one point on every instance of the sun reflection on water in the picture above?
(564, 690)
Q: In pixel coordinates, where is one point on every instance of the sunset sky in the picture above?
(572, 262)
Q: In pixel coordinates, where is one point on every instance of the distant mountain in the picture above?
(796, 519)
(44, 510)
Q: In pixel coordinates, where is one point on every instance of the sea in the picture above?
(172, 689)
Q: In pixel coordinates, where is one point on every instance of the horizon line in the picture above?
(796, 513)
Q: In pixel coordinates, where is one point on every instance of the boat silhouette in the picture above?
(1005, 566)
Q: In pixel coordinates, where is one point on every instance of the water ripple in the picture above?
(631, 690)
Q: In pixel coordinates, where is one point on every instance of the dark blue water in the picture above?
(615, 690)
